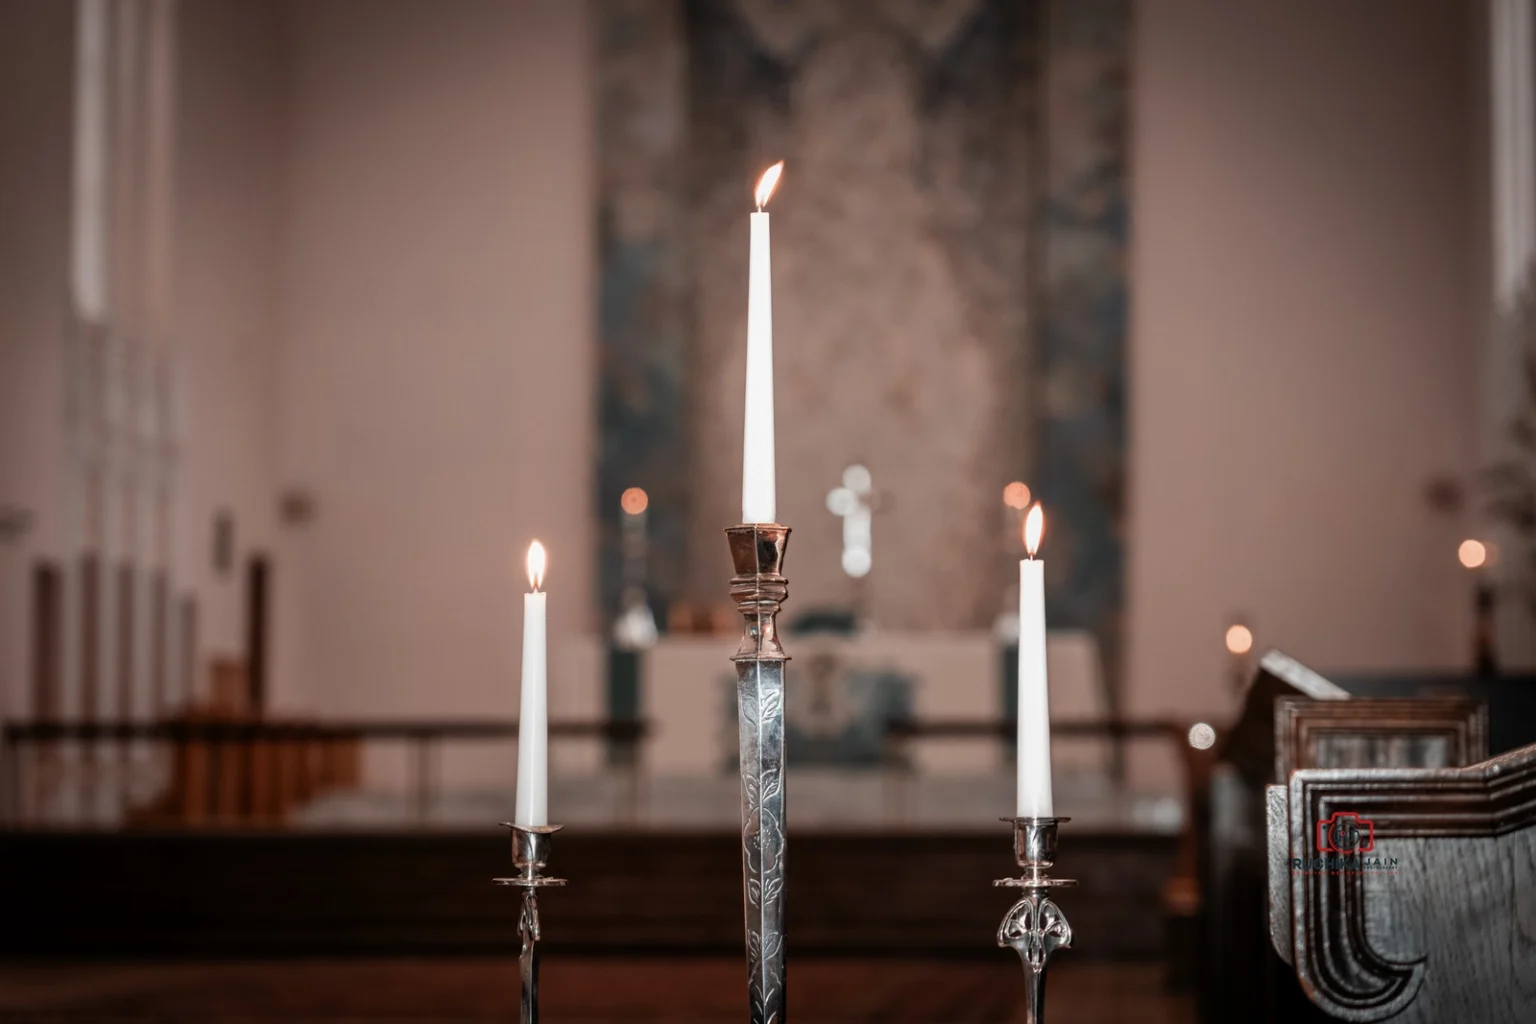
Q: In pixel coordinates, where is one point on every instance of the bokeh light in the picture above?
(1473, 553)
(634, 501)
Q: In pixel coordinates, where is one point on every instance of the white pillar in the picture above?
(88, 258)
(90, 235)
(1513, 137)
(1512, 106)
(154, 252)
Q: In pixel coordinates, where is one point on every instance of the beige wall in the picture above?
(229, 125)
(435, 376)
(386, 289)
(1305, 334)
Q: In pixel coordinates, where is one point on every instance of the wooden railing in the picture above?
(239, 770)
(1004, 729)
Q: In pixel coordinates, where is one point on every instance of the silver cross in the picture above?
(855, 501)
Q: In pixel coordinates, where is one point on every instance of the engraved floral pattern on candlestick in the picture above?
(757, 553)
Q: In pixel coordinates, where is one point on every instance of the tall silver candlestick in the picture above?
(1035, 926)
(530, 853)
(759, 587)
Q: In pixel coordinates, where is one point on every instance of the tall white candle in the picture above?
(533, 718)
(1034, 694)
(759, 498)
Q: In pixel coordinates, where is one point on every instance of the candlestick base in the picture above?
(530, 853)
(759, 587)
(1035, 927)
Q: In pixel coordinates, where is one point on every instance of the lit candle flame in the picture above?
(537, 560)
(767, 183)
(1034, 527)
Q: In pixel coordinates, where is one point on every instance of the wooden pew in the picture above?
(1421, 906)
(1294, 718)
(1426, 732)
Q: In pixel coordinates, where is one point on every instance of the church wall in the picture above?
(36, 64)
(1305, 332)
(436, 368)
(225, 332)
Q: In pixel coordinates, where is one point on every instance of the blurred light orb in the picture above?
(634, 501)
(857, 562)
(1016, 495)
(1202, 736)
(1473, 554)
(858, 479)
(1239, 638)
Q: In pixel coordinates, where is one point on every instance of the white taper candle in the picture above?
(1034, 737)
(759, 497)
(533, 716)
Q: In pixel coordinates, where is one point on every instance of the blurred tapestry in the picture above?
(949, 288)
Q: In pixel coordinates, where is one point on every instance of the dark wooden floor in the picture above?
(579, 990)
(243, 895)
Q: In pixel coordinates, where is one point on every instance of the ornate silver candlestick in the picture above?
(759, 587)
(1035, 926)
(530, 852)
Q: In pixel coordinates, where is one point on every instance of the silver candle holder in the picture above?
(759, 588)
(530, 854)
(1035, 927)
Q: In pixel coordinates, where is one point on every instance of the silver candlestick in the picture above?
(530, 852)
(759, 587)
(1035, 926)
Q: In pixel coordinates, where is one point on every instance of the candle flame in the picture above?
(1034, 527)
(538, 559)
(767, 183)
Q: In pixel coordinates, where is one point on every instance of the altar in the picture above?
(848, 765)
(841, 692)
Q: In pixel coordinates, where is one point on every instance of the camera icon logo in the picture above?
(1345, 832)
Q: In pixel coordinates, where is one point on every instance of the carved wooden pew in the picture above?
(1421, 904)
(1294, 718)
(1429, 732)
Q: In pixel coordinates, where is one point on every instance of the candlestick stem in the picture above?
(759, 587)
(530, 853)
(1035, 927)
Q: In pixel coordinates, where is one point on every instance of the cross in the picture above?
(856, 502)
